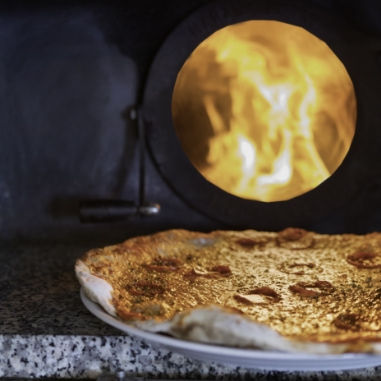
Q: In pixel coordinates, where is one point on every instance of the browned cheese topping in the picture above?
(302, 284)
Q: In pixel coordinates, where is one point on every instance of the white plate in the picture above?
(248, 358)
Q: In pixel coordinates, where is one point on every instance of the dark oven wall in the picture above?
(71, 73)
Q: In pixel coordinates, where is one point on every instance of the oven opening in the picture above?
(264, 110)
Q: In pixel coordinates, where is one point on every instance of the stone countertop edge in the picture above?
(88, 357)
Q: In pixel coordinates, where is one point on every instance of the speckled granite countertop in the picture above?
(46, 332)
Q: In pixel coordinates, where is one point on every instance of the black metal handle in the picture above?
(113, 210)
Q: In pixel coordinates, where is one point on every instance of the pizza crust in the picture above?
(95, 288)
(214, 325)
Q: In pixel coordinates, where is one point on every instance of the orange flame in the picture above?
(270, 107)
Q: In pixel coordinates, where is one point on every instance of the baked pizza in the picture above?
(294, 290)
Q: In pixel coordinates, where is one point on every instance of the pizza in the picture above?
(293, 290)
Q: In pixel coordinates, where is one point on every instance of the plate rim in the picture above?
(354, 360)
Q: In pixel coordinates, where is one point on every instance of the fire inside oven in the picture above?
(264, 110)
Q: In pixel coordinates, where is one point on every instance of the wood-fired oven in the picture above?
(96, 146)
(88, 144)
(83, 86)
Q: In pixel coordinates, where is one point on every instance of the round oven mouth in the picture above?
(264, 110)
(351, 47)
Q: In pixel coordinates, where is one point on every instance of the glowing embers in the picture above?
(264, 110)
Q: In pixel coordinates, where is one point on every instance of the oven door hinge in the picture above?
(110, 210)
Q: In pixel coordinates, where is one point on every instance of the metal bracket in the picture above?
(109, 210)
